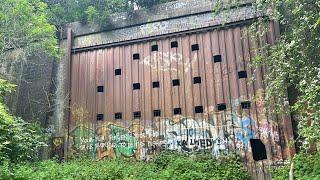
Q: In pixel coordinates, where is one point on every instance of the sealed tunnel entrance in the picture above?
(189, 92)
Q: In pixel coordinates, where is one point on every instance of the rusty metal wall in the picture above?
(150, 116)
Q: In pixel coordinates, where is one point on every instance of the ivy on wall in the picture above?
(293, 63)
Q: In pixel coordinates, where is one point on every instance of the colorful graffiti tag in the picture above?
(246, 132)
(188, 135)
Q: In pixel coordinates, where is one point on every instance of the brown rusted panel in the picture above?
(109, 73)
(242, 85)
(127, 73)
(93, 89)
(141, 121)
(174, 59)
(218, 87)
(135, 80)
(208, 71)
(247, 93)
(181, 70)
(202, 72)
(146, 62)
(213, 131)
(161, 77)
(186, 54)
(225, 127)
(100, 97)
(154, 56)
(166, 69)
(194, 60)
(117, 81)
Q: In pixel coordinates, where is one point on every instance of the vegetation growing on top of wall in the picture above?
(167, 165)
(63, 12)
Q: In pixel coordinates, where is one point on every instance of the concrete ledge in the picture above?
(167, 27)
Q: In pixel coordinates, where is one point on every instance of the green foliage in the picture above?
(306, 167)
(19, 141)
(293, 62)
(61, 12)
(177, 167)
(65, 11)
(150, 3)
(24, 26)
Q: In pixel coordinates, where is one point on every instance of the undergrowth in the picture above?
(167, 165)
(306, 167)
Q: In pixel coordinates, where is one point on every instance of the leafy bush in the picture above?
(167, 165)
(306, 166)
(19, 141)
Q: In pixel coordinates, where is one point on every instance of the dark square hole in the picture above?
(258, 150)
(136, 86)
(100, 117)
(222, 107)
(117, 72)
(242, 74)
(217, 58)
(118, 115)
(246, 105)
(156, 113)
(154, 48)
(176, 111)
(156, 84)
(197, 80)
(174, 44)
(100, 89)
(176, 82)
(195, 47)
(136, 56)
(198, 109)
(137, 115)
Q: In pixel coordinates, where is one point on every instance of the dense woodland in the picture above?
(32, 26)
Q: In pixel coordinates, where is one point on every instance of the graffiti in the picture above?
(167, 58)
(188, 135)
(246, 132)
(124, 143)
(265, 129)
(216, 134)
(57, 147)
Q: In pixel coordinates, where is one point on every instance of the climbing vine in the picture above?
(293, 62)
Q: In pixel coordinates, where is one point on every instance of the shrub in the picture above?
(167, 165)
(306, 166)
(19, 140)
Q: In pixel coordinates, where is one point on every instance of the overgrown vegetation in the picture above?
(19, 141)
(307, 167)
(24, 28)
(294, 61)
(293, 65)
(61, 12)
(167, 165)
(29, 27)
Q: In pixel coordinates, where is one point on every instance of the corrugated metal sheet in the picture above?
(140, 133)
